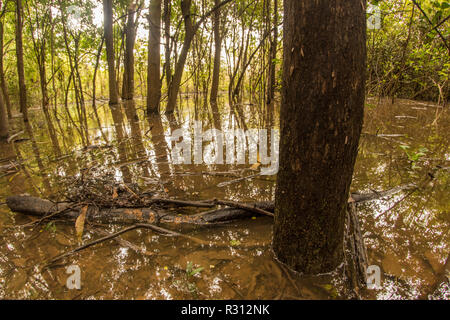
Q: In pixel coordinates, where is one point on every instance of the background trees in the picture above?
(407, 58)
(212, 49)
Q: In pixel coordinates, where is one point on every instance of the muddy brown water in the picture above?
(407, 235)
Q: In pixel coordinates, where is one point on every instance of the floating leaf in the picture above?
(115, 194)
(255, 166)
(79, 223)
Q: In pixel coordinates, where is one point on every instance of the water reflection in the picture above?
(407, 235)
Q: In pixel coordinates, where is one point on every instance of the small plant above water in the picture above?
(51, 227)
(191, 271)
(414, 156)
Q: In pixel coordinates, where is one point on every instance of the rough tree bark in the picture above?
(154, 58)
(321, 121)
(190, 30)
(272, 63)
(20, 67)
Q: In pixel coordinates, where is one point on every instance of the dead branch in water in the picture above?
(245, 207)
(118, 233)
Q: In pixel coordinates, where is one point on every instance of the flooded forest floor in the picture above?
(407, 235)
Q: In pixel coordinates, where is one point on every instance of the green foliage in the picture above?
(191, 271)
(414, 155)
(50, 227)
(407, 57)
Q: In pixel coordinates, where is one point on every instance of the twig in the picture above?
(183, 203)
(223, 184)
(398, 202)
(131, 192)
(11, 138)
(243, 207)
(126, 243)
(48, 216)
(429, 177)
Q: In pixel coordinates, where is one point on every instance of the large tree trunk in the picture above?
(272, 62)
(109, 40)
(45, 98)
(321, 121)
(154, 58)
(20, 67)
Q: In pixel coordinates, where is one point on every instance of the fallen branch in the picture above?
(118, 233)
(183, 203)
(226, 183)
(126, 243)
(238, 205)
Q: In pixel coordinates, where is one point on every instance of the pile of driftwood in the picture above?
(156, 210)
(149, 212)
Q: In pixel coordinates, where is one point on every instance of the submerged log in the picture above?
(39, 207)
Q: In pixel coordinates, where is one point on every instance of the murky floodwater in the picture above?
(407, 235)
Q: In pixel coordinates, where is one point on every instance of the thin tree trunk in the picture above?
(130, 36)
(94, 89)
(39, 45)
(179, 68)
(45, 100)
(109, 40)
(3, 85)
(20, 66)
(4, 128)
(216, 69)
(321, 121)
(154, 58)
